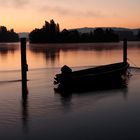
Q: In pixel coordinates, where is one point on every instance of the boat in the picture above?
(101, 76)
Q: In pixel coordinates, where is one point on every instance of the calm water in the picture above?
(44, 114)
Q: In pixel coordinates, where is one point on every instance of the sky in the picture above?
(25, 15)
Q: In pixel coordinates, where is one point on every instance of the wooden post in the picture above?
(24, 66)
(24, 69)
(125, 50)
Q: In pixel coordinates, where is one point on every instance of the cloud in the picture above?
(21, 2)
(14, 3)
(71, 12)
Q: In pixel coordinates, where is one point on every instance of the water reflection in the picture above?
(73, 55)
(50, 54)
(25, 106)
(97, 93)
(66, 101)
(53, 50)
(60, 54)
(57, 55)
(6, 48)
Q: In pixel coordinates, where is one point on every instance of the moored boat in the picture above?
(101, 76)
(95, 75)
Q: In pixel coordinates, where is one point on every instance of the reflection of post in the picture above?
(125, 51)
(25, 106)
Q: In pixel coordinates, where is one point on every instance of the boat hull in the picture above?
(105, 76)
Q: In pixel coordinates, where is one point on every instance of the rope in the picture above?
(135, 67)
(132, 63)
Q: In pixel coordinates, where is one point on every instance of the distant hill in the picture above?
(89, 29)
(130, 34)
(23, 34)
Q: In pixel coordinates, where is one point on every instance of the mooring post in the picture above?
(24, 69)
(125, 50)
(24, 66)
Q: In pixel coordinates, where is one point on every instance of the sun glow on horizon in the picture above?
(24, 16)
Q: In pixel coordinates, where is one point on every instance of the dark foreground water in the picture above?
(44, 114)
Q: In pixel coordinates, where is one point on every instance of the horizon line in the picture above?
(87, 27)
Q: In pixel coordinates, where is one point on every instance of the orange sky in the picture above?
(25, 15)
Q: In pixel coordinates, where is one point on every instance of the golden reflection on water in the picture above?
(57, 55)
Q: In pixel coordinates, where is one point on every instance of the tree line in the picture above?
(8, 35)
(50, 33)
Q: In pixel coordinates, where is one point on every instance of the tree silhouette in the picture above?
(50, 33)
(110, 36)
(138, 35)
(8, 36)
(99, 35)
(107, 35)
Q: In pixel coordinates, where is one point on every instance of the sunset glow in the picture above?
(25, 15)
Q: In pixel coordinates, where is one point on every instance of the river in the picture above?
(45, 114)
